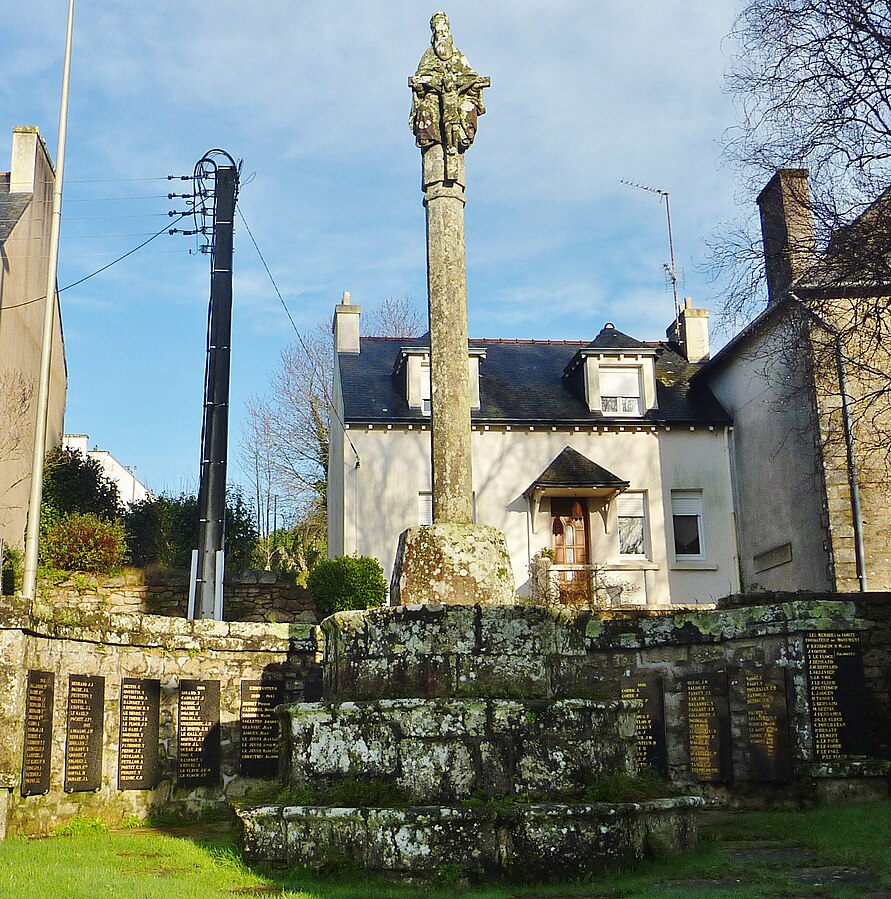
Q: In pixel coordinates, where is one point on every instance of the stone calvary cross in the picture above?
(454, 560)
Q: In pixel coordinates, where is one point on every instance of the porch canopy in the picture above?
(572, 474)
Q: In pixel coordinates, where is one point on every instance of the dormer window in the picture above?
(413, 368)
(620, 392)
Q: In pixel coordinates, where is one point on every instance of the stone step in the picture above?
(524, 840)
(445, 750)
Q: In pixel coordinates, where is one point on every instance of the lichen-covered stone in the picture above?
(446, 750)
(457, 650)
(522, 841)
(465, 564)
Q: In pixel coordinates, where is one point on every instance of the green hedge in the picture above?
(347, 582)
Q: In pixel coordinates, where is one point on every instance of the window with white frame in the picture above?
(425, 388)
(686, 519)
(631, 512)
(620, 390)
(425, 508)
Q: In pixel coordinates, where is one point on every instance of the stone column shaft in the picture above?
(449, 377)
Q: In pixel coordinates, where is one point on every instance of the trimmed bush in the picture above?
(347, 582)
(83, 542)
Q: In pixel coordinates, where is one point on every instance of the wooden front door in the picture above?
(569, 532)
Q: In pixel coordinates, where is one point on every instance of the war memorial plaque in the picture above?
(767, 712)
(260, 728)
(84, 732)
(837, 691)
(708, 727)
(38, 733)
(652, 748)
(138, 747)
(198, 733)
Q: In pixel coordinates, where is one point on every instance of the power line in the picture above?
(331, 405)
(108, 199)
(98, 270)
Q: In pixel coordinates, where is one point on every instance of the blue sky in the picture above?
(313, 97)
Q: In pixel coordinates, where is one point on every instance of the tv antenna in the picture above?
(669, 267)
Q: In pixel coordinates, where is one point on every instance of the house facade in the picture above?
(25, 219)
(598, 456)
(806, 384)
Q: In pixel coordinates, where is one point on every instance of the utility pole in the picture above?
(32, 531)
(207, 589)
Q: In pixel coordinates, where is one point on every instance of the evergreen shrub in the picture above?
(82, 541)
(347, 582)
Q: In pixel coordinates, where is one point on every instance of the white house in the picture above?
(598, 451)
(130, 488)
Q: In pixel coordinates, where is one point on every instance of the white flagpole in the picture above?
(32, 533)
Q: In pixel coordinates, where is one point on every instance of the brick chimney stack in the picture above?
(787, 229)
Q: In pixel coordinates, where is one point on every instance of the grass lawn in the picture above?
(768, 854)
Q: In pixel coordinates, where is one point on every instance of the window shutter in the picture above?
(425, 508)
(630, 505)
(620, 382)
(686, 504)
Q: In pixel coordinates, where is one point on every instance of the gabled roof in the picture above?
(521, 382)
(12, 208)
(611, 338)
(572, 469)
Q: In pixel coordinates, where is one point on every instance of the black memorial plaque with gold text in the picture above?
(708, 727)
(38, 733)
(259, 728)
(652, 749)
(837, 689)
(83, 738)
(198, 733)
(767, 713)
(138, 749)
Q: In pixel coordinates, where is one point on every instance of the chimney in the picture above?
(690, 331)
(346, 326)
(31, 167)
(787, 229)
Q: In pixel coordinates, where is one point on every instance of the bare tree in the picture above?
(284, 447)
(395, 318)
(16, 429)
(812, 80)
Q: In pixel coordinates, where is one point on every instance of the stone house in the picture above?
(26, 192)
(806, 384)
(601, 453)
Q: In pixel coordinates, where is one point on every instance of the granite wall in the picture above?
(248, 595)
(76, 755)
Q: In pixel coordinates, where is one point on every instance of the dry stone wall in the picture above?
(248, 596)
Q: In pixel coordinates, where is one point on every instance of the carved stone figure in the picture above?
(447, 94)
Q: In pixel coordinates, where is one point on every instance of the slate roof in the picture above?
(12, 207)
(521, 382)
(572, 469)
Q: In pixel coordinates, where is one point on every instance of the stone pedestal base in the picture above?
(465, 564)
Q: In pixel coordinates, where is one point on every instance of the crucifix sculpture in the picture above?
(453, 560)
(447, 99)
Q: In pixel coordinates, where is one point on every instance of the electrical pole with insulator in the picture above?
(208, 561)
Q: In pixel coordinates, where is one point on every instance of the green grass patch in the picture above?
(144, 864)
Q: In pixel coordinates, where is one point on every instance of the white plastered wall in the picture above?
(380, 498)
(779, 489)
